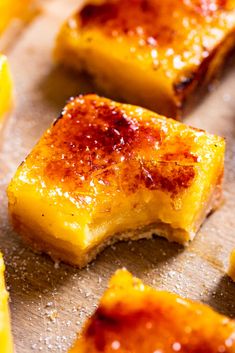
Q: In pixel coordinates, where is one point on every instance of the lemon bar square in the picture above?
(107, 171)
(150, 53)
(133, 317)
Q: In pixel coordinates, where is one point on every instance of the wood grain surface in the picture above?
(49, 302)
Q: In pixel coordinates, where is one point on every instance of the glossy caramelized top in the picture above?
(135, 318)
(99, 145)
(174, 34)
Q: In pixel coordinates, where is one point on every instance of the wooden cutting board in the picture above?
(49, 302)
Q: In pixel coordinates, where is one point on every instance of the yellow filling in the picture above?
(5, 86)
(6, 345)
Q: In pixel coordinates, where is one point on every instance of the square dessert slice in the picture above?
(106, 171)
(135, 318)
(231, 271)
(5, 87)
(6, 345)
(149, 52)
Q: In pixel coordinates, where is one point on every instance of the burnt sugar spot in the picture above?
(134, 18)
(101, 322)
(98, 141)
(169, 177)
(117, 322)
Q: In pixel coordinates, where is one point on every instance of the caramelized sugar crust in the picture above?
(151, 21)
(156, 324)
(135, 318)
(175, 34)
(98, 143)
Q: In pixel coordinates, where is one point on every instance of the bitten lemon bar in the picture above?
(5, 87)
(152, 53)
(6, 345)
(231, 271)
(106, 171)
(135, 318)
